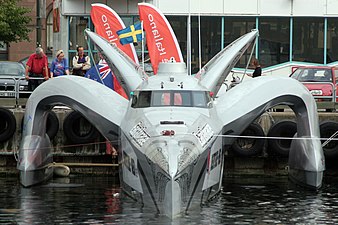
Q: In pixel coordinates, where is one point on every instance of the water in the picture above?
(98, 200)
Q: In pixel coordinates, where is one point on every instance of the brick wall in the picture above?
(17, 51)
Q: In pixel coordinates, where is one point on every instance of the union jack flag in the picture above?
(105, 75)
(104, 69)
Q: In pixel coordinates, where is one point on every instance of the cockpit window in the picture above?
(141, 100)
(144, 99)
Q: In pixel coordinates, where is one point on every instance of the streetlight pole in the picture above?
(38, 23)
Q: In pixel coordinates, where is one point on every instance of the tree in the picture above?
(13, 22)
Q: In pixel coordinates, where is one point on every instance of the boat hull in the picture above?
(173, 194)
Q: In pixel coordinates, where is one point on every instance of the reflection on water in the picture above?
(98, 200)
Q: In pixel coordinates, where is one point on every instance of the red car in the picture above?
(320, 80)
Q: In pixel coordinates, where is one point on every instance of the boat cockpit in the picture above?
(163, 98)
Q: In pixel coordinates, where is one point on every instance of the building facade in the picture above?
(291, 31)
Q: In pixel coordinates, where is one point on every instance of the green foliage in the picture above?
(13, 22)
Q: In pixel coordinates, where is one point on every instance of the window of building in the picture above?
(308, 40)
(3, 51)
(77, 26)
(332, 40)
(179, 25)
(274, 41)
(234, 28)
(210, 40)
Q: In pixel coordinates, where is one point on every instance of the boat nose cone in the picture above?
(34, 152)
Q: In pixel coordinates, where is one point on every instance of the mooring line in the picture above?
(280, 138)
(326, 140)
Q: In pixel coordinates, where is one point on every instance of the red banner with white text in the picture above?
(107, 22)
(161, 40)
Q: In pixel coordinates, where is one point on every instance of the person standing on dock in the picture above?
(36, 68)
(59, 65)
(258, 69)
(81, 62)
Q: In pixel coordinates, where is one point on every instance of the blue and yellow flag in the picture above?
(130, 34)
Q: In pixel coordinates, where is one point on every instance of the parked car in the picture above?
(320, 80)
(12, 74)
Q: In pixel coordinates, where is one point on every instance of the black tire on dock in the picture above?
(52, 126)
(7, 124)
(78, 129)
(284, 129)
(250, 146)
(327, 129)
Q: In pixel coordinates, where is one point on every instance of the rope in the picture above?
(277, 138)
(327, 140)
(330, 138)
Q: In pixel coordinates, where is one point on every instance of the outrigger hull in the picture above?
(35, 160)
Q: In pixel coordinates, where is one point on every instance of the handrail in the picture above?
(15, 93)
(24, 91)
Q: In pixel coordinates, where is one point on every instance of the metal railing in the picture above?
(14, 92)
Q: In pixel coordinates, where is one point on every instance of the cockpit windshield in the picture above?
(142, 99)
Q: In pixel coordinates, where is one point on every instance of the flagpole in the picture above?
(189, 41)
(92, 57)
(142, 45)
(199, 36)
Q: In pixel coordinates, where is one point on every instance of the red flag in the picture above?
(56, 16)
(118, 88)
(107, 23)
(161, 40)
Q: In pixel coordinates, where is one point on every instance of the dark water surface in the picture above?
(98, 200)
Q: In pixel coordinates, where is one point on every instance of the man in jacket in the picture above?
(81, 62)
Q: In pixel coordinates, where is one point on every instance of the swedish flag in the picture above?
(130, 34)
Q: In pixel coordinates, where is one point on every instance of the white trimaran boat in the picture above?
(171, 150)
